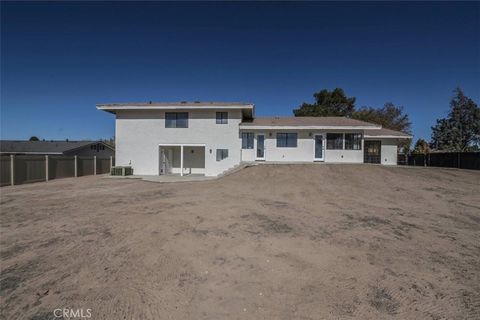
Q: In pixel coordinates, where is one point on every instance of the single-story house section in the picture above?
(212, 137)
(52, 147)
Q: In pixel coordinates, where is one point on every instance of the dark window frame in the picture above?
(221, 117)
(335, 143)
(247, 140)
(173, 119)
(222, 154)
(354, 142)
(287, 140)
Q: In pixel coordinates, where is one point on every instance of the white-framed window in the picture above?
(247, 140)
(222, 154)
(176, 119)
(334, 141)
(222, 117)
(286, 140)
(353, 141)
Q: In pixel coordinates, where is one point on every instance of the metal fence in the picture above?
(21, 169)
(461, 160)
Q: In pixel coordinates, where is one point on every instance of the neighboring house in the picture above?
(68, 148)
(212, 137)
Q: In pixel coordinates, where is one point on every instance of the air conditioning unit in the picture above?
(121, 171)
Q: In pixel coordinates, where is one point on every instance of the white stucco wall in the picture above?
(389, 151)
(304, 152)
(139, 134)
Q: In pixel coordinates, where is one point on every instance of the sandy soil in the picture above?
(268, 242)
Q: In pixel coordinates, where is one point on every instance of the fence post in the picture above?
(12, 170)
(46, 167)
(75, 166)
(94, 165)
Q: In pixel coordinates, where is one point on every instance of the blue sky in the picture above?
(60, 59)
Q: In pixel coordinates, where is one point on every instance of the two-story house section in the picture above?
(179, 138)
(212, 137)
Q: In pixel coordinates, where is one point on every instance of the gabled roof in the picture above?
(386, 133)
(309, 123)
(41, 147)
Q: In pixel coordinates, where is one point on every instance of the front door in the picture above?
(260, 151)
(318, 147)
(372, 153)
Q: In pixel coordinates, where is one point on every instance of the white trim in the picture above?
(256, 144)
(399, 137)
(323, 135)
(186, 107)
(250, 127)
(182, 144)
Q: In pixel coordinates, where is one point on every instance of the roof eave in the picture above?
(389, 136)
(113, 109)
(262, 127)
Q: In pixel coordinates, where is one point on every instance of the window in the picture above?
(222, 154)
(286, 140)
(353, 141)
(247, 140)
(176, 119)
(335, 141)
(222, 117)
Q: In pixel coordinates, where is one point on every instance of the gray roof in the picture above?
(386, 133)
(309, 121)
(46, 147)
(175, 104)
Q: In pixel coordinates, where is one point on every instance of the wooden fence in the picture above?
(460, 160)
(21, 169)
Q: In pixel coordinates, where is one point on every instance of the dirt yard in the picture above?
(268, 242)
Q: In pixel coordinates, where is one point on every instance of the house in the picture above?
(68, 148)
(212, 137)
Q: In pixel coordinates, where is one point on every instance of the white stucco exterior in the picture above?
(144, 141)
(139, 135)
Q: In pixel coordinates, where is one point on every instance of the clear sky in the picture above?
(60, 59)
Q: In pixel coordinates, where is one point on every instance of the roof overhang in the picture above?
(116, 108)
(388, 136)
(253, 127)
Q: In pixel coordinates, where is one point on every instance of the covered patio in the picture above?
(182, 159)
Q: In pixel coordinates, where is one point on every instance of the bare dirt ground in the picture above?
(268, 242)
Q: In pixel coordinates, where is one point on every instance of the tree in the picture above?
(460, 130)
(34, 138)
(389, 116)
(421, 147)
(327, 103)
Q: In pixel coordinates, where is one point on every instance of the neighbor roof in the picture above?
(41, 147)
(386, 133)
(309, 122)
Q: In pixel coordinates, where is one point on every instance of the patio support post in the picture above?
(46, 168)
(12, 169)
(181, 160)
(94, 165)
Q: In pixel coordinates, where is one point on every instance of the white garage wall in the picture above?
(389, 150)
(139, 134)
